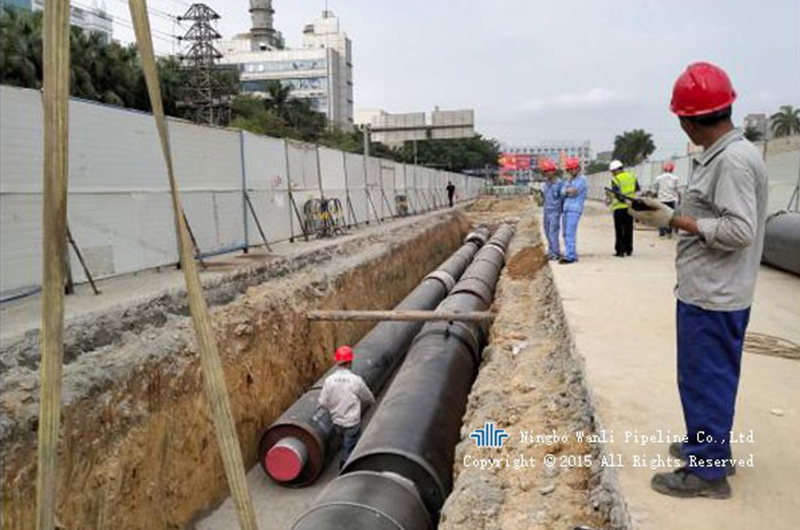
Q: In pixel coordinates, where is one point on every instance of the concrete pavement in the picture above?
(622, 315)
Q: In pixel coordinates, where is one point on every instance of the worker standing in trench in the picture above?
(574, 191)
(553, 209)
(721, 221)
(341, 395)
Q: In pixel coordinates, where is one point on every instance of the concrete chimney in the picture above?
(261, 14)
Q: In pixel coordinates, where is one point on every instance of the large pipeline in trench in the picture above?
(782, 241)
(294, 449)
(400, 472)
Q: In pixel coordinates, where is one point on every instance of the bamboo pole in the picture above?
(213, 375)
(399, 315)
(54, 247)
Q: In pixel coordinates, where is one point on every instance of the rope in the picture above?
(763, 344)
(213, 376)
(54, 243)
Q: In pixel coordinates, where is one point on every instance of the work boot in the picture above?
(676, 451)
(684, 484)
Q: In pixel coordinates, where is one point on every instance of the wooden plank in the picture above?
(399, 315)
(213, 376)
(54, 251)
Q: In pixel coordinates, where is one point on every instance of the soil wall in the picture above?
(138, 449)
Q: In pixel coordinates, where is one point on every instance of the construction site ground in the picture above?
(585, 348)
(622, 316)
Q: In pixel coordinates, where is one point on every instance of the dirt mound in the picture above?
(505, 205)
(527, 262)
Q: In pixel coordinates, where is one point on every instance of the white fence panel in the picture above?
(387, 188)
(208, 167)
(267, 187)
(356, 181)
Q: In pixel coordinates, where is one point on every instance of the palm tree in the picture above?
(278, 98)
(633, 147)
(786, 121)
(20, 48)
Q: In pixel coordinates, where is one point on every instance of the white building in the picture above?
(94, 20)
(396, 129)
(554, 150)
(321, 71)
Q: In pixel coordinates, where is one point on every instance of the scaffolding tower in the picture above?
(202, 93)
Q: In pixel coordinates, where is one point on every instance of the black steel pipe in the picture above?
(367, 499)
(294, 449)
(415, 430)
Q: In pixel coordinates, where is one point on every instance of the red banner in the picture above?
(513, 162)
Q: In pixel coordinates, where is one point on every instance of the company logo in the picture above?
(489, 436)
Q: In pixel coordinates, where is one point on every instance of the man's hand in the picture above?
(659, 215)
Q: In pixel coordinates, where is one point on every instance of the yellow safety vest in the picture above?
(626, 182)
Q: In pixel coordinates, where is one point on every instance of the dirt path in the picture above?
(531, 384)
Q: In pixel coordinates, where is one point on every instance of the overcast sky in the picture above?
(534, 70)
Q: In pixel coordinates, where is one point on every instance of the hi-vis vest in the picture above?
(626, 182)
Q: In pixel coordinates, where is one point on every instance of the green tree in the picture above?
(595, 166)
(102, 71)
(753, 134)
(20, 48)
(475, 152)
(786, 121)
(633, 147)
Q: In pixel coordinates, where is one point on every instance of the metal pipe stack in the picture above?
(400, 473)
(294, 449)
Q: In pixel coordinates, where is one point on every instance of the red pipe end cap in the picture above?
(283, 463)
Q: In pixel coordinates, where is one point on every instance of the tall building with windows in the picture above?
(555, 150)
(321, 71)
(95, 19)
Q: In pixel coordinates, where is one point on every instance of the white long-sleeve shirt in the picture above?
(667, 187)
(342, 394)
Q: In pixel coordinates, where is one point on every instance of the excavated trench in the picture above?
(137, 448)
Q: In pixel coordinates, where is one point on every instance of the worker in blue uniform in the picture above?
(553, 206)
(574, 192)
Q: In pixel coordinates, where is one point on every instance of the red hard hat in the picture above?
(344, 354)
(547, 165)
(572, 163)
(668, 166)
(702, 89)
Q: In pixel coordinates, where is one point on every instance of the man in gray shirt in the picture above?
(721, 220)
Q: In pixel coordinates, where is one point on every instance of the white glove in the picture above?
(659, 215)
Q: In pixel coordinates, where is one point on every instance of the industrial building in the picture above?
(396, 129)
(555, 150)
(320, 71)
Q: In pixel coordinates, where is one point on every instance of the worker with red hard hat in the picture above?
(721, 223)
(342, 394)
(575, 190)
(553, 208)
(667, 191)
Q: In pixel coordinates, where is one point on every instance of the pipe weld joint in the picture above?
(443, 276)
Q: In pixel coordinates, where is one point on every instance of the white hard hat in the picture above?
(615, 165)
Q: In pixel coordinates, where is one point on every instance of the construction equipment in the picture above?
(301, 439)
(401, 205)
(324, 217)
(401, 470)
